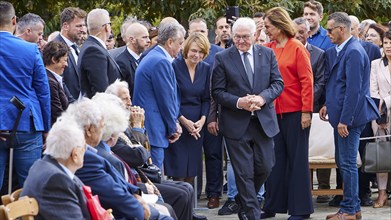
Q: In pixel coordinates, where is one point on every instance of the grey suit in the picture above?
(317, 59)
(58, 196)
(249, 138)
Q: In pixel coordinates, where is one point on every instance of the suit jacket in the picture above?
(128, 64)
(155, 90)
(230, 82)
(71, 72)
(97, 68)
(347, 91)
(317, 59)
(114, 161)
(113, 191)
(116, 51)
(58, 99)
(58, 196)
(381, 82)
(372, 50)
(23, 74)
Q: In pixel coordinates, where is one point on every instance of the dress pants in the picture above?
(252, 158)
(181, 199)
(288, 187)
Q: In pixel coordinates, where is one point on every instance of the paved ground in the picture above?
(321, 210)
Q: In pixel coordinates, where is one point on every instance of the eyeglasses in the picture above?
(244, 37)
(329, 30)
(106, 24)
(16, 18)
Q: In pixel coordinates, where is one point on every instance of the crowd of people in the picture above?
(113, 113)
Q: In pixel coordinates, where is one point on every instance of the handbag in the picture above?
(97, 212)
(152, 172)
(377, 155)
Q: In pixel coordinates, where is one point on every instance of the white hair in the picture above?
(116, 86)
(245, 22)
(354, 20)
(86, 113)
(114, 112)
(96, 19)
(63, 137)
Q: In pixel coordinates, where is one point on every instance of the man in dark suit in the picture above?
(245, 82)
(348, 106)
(22, 74)
(137, 38)
(97, 68)
(57, 190)
(155, 90)
(72, 25)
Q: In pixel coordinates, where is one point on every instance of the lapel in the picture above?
(133, 61)
(341, 53)
(70, 56)
(384, 69)
(257, 66)
(237, 62)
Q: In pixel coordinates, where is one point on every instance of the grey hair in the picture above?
(114, 112)
(29, 20)
(341, 18)
(96, 18)
(86, 113)
(7, 12)
(365, 23)
(63, 137)
(302, 20)
(354, 19)
(116, 86)
(169, 30)
(245, 22)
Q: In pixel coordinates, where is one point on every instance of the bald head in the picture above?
(168, 20)
(355, 25)
(137, 38)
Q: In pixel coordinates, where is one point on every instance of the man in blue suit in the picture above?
(155, 90)
(348, 106)
(22, 74)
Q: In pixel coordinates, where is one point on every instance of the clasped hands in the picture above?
(193, 128)
(251, 103)
(136, 116)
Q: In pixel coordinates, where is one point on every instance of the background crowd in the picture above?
(105, 111)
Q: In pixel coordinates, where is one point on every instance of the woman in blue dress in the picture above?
(184, 157)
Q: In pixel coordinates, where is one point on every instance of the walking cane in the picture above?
(11, 136)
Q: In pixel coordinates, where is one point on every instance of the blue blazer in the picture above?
(155, 90)
(58, 196)
(348, 98)
(23, 74)
(113, 191)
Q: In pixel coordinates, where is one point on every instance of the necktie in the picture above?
(249, 71)
(76, 49)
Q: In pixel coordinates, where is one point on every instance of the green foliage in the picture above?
(184, 10)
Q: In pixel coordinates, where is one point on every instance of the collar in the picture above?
(169, 57)
(134, 55)
(58, 77)
(106, 147)
(67, 41)
(6, 32)
(250, 51)
(321, 31)
(340, 47)
(100, 41)
(91, 148)
(306, 44)
(67, 171)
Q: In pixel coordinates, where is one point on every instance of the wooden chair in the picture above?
(6, 199)
(24, 207)
(322, 164)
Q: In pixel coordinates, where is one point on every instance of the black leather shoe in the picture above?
(298, 217)
(267, 215)
(199, 217)
(336, 201)
(366, 201)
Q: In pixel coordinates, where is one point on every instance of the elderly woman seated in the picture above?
(105, 181)
(52, 181)
(179, 195)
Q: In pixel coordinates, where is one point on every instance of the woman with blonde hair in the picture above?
(288, 186)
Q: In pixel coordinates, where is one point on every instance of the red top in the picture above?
(295, 67)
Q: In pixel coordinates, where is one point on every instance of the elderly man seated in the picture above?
(52, 181)
(105, 181)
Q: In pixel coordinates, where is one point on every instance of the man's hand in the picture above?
(305, 120)
(323, 113)
(137, 116)
(176, 135)
(343, 130)
(147, 211)
(251, 102)
(213, 128)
